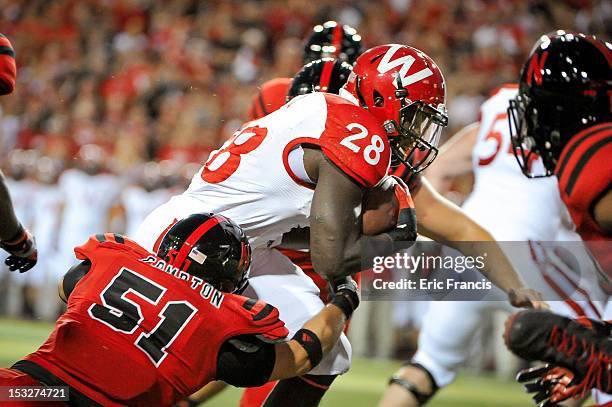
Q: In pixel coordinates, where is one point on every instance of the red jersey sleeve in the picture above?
(355, 142)
(584, 171)
(8, 70)
(259, 318)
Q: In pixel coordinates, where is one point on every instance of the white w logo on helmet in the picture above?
(406, 62)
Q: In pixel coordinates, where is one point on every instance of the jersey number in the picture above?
(495, 136)
(224, 162)
(124, 315)
(371, 153)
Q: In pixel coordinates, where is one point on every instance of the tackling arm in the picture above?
(445, 222)
(248, 360)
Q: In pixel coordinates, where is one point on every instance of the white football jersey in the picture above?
(22, 194)
(46, 206)
(249, 178)
(510, 205)
(87, 201)
(138, 203)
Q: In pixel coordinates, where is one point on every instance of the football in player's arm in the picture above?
(178, 318)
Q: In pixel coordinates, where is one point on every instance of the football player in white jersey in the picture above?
(309, 164)
(89, 193)
(498, 203)
(140, 198)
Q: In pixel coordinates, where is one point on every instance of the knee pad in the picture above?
(422, 398)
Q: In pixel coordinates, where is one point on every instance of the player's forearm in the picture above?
(292, 359)
(9, 225)
(497, 266)
(334, 260)
(446, 223)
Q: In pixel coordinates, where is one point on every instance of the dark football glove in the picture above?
(346, 295)
(550, 384)
(22, 250)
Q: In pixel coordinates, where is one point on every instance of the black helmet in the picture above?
(210, 247)
(322, 75)
(333, 40)
(564, 88)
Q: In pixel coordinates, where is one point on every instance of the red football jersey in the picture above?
(140, 332)
(584, 171)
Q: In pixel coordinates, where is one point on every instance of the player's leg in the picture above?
(276, 280)
(444, 341)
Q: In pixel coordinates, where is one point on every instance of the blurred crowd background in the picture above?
(118, 102)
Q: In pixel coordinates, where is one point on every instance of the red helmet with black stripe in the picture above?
(405, 90)
(210, 247)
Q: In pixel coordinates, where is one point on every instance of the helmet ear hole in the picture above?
(379, 100)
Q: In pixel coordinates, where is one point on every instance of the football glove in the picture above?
(549, 384)
(22, 250)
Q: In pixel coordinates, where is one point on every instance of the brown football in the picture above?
(380, 208)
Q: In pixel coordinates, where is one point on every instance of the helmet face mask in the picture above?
(523, 122)
(419, 131)
(209, 247)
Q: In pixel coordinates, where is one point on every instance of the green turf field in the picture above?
(362, 386)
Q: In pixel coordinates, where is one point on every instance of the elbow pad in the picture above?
(245, 361)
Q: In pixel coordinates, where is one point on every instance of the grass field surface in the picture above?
(361, 387)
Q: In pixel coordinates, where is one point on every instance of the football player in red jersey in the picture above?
(16, 240)
(563, 114)
(327, 40)
(176, 319)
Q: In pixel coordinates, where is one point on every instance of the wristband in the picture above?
(346, 301)
(311, 344)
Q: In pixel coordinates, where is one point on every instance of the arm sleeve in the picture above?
(73, 276)
(245, 361)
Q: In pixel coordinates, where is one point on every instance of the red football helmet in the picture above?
(405, 89)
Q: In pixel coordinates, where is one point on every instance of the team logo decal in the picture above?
(536, 68)
(406, 62)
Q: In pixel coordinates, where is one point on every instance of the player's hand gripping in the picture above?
(22, 250)
(549, 384)
(346, 295)
(527, 298)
